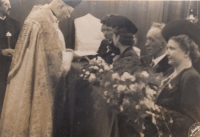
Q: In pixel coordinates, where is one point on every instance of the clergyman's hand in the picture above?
(7, 52)
(75, 56)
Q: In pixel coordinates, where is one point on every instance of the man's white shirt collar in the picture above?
(157, 60)
(3, 18)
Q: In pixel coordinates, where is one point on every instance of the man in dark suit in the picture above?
(156, 48)
(8, 26)
(107, 50)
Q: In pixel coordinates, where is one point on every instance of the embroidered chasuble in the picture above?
(34, 97)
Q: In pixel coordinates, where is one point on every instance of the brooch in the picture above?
(113, 54)
(108, 49)
(170, 86)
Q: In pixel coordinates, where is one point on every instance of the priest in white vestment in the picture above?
(32, 104)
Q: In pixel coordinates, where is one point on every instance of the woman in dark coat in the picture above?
(125, 62)
(108, 123)
(180, 92)
(128, 58)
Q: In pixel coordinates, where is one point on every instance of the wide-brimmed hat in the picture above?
(122, 22)
(72, 3)
(179, 27)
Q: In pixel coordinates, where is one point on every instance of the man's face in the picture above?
(65, 11)
(154, 42)
(5, 7)
(107, 32)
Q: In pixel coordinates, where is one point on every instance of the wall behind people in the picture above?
(142, 13)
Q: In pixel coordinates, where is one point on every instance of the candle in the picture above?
(8, 34)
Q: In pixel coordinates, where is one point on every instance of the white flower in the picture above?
(149, 103)
(83, 70)
(115, 85)
(132, 78)
(141, 102)
(137, 107)
(96, 68)
(111, 66)
(127, 76)
(87, 73)
(141, 85)
(105, 93)
(126, 101)
(99, 58)
(85, 77)
(81, 75)
(157, 108)
(92, 77)
(107, 84)
(145, 74)
(115, 76)
(121, 88)
(133, 87)
(151, 94)
(106, 68)
(101, 70)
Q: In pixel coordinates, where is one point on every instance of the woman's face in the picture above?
(174, 53)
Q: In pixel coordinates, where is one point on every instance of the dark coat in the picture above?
(181, 98)
(107, 51)
(196, 65)
(161, 67)
(127, 61)
(13, 27)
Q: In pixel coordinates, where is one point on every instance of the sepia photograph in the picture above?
(99, 68)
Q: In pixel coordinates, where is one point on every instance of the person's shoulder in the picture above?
(102, 46)
(12, 20)
(190, 74)
(130, 52)
(104, 42)
(38, 13)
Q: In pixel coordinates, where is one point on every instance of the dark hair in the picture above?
(126, 37)
(105, 19)
(188, 45)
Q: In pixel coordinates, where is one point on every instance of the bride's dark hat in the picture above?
(72, 3)
(122, 22)
(179, 27)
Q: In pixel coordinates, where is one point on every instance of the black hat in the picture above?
(72, 3)
(122, 22)
(179, 27)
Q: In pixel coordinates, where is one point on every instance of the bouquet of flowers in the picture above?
(94, 71)
(133, 95)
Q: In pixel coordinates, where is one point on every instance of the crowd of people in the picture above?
(33, 72)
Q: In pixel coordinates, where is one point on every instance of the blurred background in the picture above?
(141, 13)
